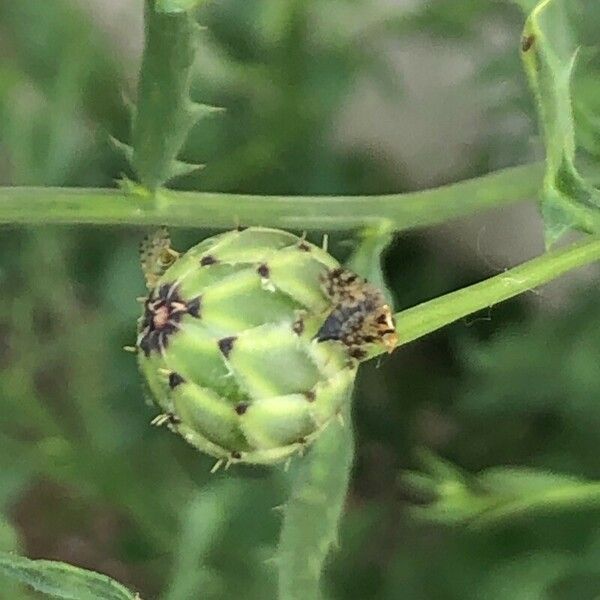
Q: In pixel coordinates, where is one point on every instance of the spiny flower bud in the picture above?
(250, 341)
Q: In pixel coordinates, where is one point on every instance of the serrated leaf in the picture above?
(60, 580)
(497, 494)
(203, 522)
(200, 111)
(124, 149)
(164, 115)
(549, 53)
(179, 168)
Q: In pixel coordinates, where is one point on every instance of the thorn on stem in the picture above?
(217, 465)
(160, 420)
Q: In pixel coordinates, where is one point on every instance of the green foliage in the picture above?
(84, 479)
(165, 112)
(549, 51)
(312, 514)
(284, 70)
(201, 523)
(59, 580)
(496, 495)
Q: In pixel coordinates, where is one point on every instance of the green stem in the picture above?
(312, 515)
(429, 316)
(20, 205)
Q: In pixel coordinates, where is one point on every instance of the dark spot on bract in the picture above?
(174, 419)
(193, 307)
(175, 379)
(301, 440)
(263, 270)
(162, 341)
(333, 327)
(369, 339)
(241, 408)
(357, 353)
(145, 346)
(310, 396)
(226, 345)
(163, 311)
(241, 228)
(304, 247)
(237, 455)
(164, 290)
(527, 42)
(207, 260)
(298, 326)
(381, 319)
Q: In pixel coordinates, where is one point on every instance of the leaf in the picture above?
(165, 113)
(60, 580)
(497, 494)
(528, 577)
(549, 54)
(179, 168)
(202, 524)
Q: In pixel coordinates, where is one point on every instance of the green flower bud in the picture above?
(250, 341)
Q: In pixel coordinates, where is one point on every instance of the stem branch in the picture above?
(429, 316)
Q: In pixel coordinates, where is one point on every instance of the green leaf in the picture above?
(60, 580)
(549, 53)
(165, 113)
(496, 495)
(202, 524)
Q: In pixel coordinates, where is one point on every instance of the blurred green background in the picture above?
(322, 96)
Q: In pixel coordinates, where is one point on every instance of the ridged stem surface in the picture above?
(424, 318)
(32, 205)
(312, 514)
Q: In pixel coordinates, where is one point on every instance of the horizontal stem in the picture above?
(22, 205)
(429, 316)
